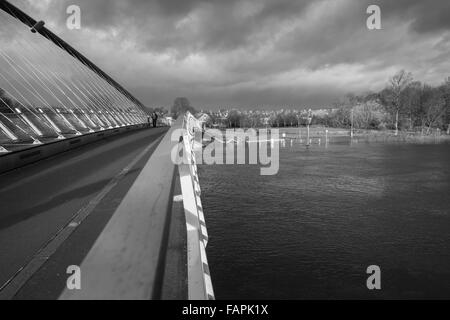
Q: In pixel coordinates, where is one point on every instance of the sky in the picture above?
(248, 54)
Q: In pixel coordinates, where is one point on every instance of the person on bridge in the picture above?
(154, 118)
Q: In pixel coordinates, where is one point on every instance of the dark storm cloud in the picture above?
(426, 16)
(219, 28)
(255, 51)
(219, 25)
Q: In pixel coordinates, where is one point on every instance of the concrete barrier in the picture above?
(128, 258)
(16, 159)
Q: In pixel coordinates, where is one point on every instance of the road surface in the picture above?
(42, 205)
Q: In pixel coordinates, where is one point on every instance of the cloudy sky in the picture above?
(254, 53)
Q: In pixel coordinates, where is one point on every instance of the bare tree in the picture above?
(435, 111)
(398, 83)
(180, 106)
(446, 96)
(411, 100)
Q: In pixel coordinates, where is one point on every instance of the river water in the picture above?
(312, 230)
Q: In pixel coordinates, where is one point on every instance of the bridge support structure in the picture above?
(45, 101)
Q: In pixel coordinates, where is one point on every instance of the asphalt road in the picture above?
(39, 201)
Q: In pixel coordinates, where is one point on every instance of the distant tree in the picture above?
(180, 106)
(273, 120)
(280, 120)
(435, 107)
(234, 119)
(368, 115)
(397, 84)
(290, 119)
(351, 99)
(411, 100)
(341, 118)
(446, 95)
(255, 120)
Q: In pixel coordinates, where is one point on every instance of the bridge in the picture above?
(92, 205)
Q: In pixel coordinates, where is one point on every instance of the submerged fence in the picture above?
(49, 91)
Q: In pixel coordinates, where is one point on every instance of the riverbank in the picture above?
(321, 134)
(316, 132)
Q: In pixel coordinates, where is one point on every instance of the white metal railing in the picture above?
(199, 277)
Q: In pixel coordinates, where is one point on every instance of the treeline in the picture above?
(415, 105)
(180, 106)
(404, 104)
